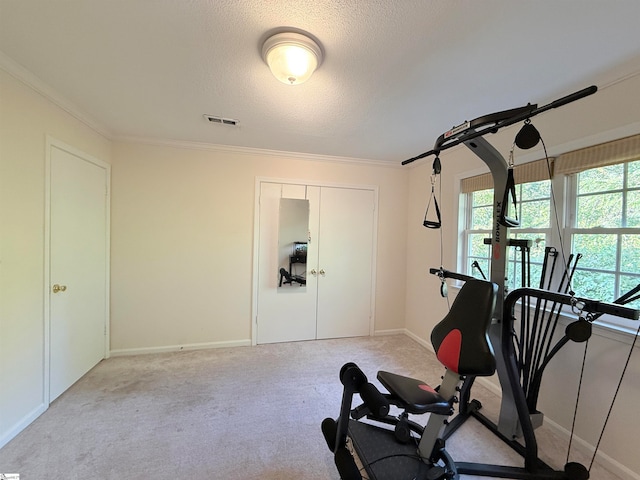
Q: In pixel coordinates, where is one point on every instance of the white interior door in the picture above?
(78, 267)
(345, 262)
(286, 313)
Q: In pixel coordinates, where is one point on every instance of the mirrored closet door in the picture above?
(316, 257)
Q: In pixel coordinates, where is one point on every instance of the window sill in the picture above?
(615, 332)
(601, 328)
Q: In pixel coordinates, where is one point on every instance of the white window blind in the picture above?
(609, 153)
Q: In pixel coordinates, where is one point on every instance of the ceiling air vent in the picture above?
(223, 121)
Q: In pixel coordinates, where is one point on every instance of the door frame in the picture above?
(51, 143)
(256, 242)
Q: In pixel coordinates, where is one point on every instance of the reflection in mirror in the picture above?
(293, 233)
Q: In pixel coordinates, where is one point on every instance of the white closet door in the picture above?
(346, 258)
(283, 314)
(78, 268)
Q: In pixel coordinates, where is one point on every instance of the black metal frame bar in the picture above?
(495, 121)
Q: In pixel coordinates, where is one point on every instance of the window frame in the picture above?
(560, 232)
(465, 258)
(571, 229)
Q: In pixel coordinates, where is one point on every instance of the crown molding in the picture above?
(23, 75)
(212, 147)
(621, 79)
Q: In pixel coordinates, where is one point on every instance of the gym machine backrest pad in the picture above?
(460, 340)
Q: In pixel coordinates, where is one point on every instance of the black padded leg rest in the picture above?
(416, 396)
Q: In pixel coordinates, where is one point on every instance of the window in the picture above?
(602, 224)
(534, 212)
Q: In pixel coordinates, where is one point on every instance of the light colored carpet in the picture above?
(234, 413)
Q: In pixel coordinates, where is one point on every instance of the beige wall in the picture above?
(182, 233)
(611, 113)
(182, 241)
(26, 118)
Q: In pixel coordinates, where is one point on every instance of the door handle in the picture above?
(313, 272)
(321, 272)
(58, 288)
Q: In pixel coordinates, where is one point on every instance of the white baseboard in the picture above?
(421, 341)
(180, 348)
(6, 437)
(395, 331)
(489, 385)
(587, 449)
(582, 445)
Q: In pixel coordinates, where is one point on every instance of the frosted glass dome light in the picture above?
(292, 57)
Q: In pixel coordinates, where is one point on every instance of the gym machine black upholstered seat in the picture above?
(414, 396)
(461, 343)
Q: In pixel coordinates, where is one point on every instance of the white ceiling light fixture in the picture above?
(292, 57)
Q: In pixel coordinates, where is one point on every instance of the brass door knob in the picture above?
(58, 288)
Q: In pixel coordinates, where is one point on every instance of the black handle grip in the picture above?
(611, 309)
(449, 274)
(585, 92)
(374, 400)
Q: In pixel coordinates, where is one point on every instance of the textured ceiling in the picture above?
(396, 74)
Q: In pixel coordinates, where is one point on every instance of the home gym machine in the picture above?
(476, 338)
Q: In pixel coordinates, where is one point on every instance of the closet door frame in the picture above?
(256, 241)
